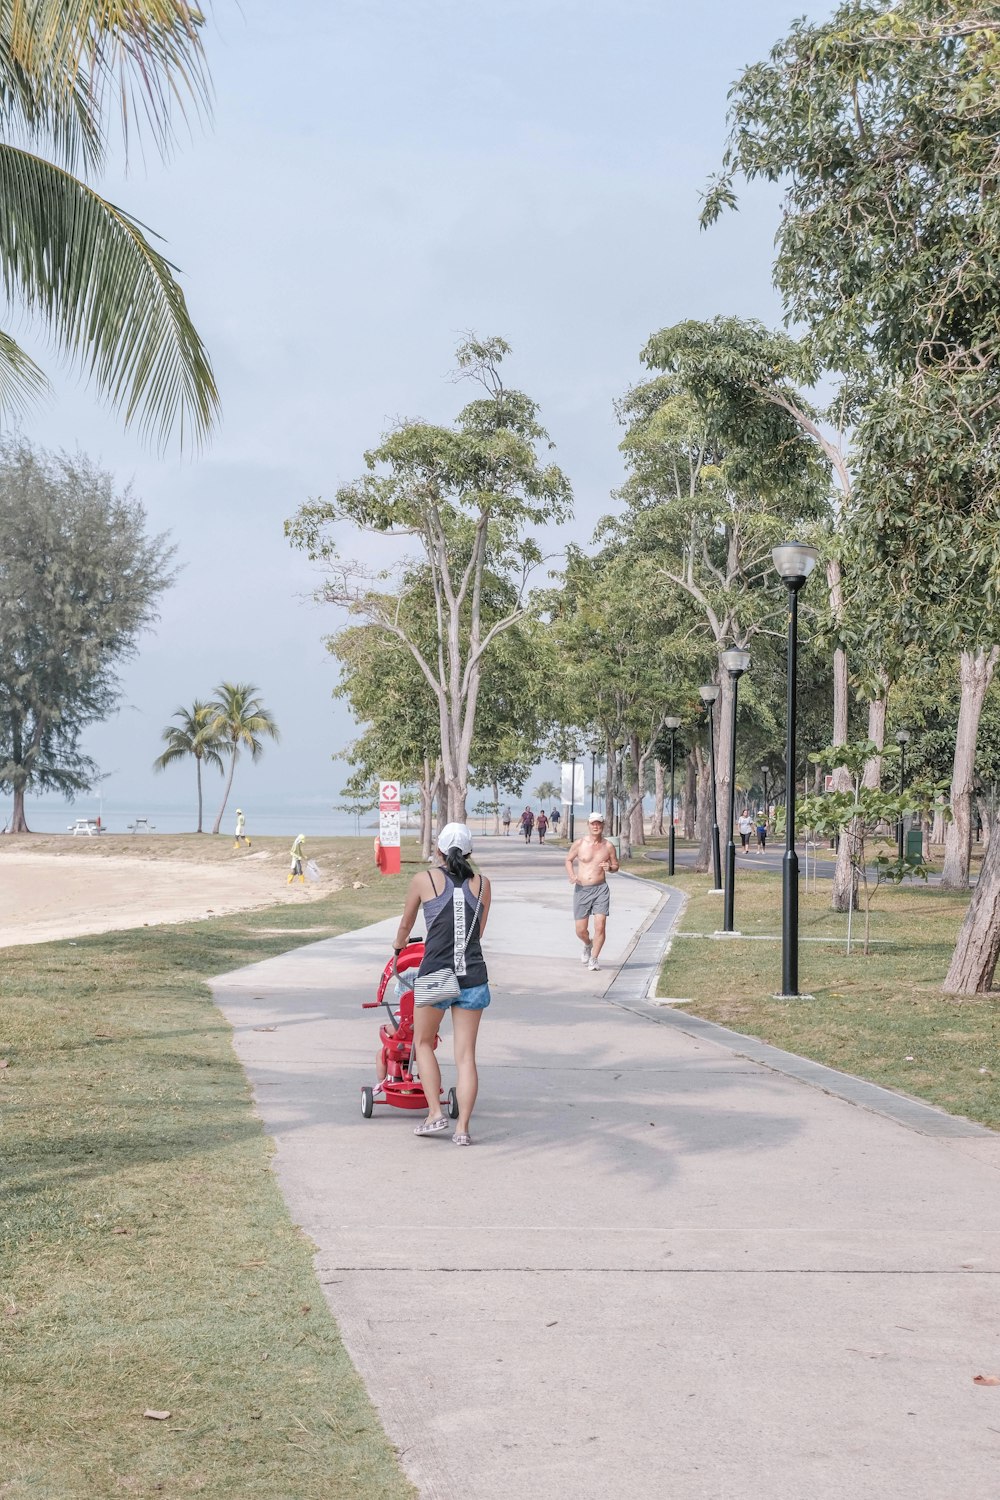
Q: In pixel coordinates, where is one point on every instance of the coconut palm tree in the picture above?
(546, 791)
(84, 268)
(241, 720)
(195, 734)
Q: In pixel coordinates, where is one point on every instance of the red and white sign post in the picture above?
(388, 827)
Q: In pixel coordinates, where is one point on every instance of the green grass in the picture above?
(882, 1017)
(148, 1260)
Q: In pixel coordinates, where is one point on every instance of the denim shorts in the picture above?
(475, 999)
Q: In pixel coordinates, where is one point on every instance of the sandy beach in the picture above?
(65, 888)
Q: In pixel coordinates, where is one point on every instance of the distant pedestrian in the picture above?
(298, 859)
(506, 822)
(542, 825)
(761, 832)
(527, 824)
(554, 817)
(240, 836)
(745, 827)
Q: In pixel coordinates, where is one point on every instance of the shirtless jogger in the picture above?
(591, 897)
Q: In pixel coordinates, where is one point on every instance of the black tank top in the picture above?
(439, 944)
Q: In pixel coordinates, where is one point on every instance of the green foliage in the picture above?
(242, 723)
(80, 581)
(196, 734)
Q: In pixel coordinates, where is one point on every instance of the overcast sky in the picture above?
(381, 176)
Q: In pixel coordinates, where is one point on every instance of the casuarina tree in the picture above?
(80, 580)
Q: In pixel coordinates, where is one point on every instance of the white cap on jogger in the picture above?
(596, 817)
(455, 836)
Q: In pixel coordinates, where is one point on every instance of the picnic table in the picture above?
(88, 826)
(142, 825)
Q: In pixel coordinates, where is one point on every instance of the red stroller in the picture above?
(402, 1088)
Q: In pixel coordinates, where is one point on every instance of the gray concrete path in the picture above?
(665, 1270)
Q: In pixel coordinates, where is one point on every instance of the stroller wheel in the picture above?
(367, 1102)
(453, 1104)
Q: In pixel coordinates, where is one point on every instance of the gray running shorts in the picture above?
(591, 900)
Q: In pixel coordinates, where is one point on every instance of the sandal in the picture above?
(462, 1138)
(432, 1127)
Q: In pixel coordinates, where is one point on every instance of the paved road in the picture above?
(666, 1271)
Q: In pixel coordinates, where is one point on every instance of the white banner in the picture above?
(574, 794)
(388, 814)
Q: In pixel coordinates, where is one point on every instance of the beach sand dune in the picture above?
(49, 895)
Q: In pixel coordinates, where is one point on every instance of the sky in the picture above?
(379, 178)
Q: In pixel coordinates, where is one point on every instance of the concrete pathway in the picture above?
(666, 1270)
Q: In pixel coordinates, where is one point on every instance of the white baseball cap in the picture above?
(455, 836)
(596, 817)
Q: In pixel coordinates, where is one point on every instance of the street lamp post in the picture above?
(673, 724)
(902, 740)
(794, 563)
(709, 695)
(736, 662)
(593, 747)
(767, 804)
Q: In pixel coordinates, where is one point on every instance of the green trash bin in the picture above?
(915, 844)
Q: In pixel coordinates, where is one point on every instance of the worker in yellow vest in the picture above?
(298, 859)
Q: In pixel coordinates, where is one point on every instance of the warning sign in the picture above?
(388, 814)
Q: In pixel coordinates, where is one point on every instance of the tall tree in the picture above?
(195, 734)
(466, 494)
(80, 580)
(109, 300)
(241, 722)
(882, 124)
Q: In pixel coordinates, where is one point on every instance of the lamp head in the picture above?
(735, 661)
(902, 736)
(795, 561)
(708, 694)
(672, 722)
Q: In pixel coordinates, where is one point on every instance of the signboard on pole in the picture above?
(388, 827)
(572, 793)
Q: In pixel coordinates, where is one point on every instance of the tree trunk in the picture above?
(659, 794)
(197, 761)
(844, 887)
(974, 960)
(229, 786)
(975, 673)
(18, 822)
(872, 777)
(723, 738)
(440, 800)
(690, 795)
(637, 824)
(703, 821)
(496, 810)
(426, 811)
(984, 809)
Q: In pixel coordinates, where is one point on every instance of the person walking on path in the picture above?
(527, 824)
(298, 859)
(554, 817)
(762, 831)
(506, 822)
(594, 858)
(240, 835)
(745, 827)
(454, 930)
(543, 826)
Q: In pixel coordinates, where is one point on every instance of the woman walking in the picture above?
(450, 944)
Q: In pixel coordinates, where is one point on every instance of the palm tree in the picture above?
(546, 791)
(240, 719)
(196, 734)
(110, 301)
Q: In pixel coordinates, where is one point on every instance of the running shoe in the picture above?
(586, 954)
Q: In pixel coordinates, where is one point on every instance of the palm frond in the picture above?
(145, 56)
(107, 297)
(21, 380)
(41, 107)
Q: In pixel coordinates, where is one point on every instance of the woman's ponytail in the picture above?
(458, 866)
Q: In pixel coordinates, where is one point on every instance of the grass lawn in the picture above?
(882, 1017)
(148, 1261)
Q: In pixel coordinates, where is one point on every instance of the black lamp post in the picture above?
(594, 748)
(708, 695)
(767, 805)
(902, 740)
(794, 563)
(736, 662)
(673, 724)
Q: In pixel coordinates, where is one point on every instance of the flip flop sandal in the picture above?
(461, 1138)
(432, 1127)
